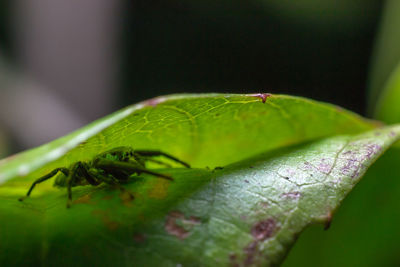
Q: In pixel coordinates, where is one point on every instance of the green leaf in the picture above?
(365, 229)
(386, 55)
(248, 213)
(205, 130)
(388, 108)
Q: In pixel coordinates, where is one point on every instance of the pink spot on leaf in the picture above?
(154, 101)
(177, 225)
(263, 229)
(263, 96)
(292, 195)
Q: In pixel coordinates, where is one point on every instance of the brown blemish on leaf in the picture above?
(260, 232)
(233, 260)
(126, 198)
(173, 228)
(104, 216)
(263, 229)
(377, 124)
(159, 189)
(251, 252)
(139, 238)
(85, 199)
(177, 225)
(107, 197)
(263, 96)
(291, 195)
(246, 181)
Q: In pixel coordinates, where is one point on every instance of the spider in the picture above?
(112, 167)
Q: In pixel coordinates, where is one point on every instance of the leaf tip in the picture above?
(328, 221)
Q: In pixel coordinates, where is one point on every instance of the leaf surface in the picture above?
(287, 163)
(365, 229)
(205, 130)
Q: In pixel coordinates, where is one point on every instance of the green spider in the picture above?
(112, 167)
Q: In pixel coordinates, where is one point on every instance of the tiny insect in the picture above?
(112, 167)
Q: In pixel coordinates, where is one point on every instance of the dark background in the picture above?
(92, 59)
(178, 47)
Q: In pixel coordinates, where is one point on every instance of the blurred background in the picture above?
(66, 63)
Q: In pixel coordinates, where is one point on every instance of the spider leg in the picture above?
(70, 180)
(159, 162)
(155, 153)
(65, 171)
(110, 165)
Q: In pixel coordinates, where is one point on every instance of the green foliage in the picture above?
(388, 108)
(287, 163)
(385, 60)
(364, 231)
(196, 128)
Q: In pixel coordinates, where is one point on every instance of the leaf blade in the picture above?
(247, 213)
(279, 113)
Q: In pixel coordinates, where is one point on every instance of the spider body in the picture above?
(114, 167)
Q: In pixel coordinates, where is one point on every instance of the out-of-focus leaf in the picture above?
(388, 106)
(386, 56)
(327, 14)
